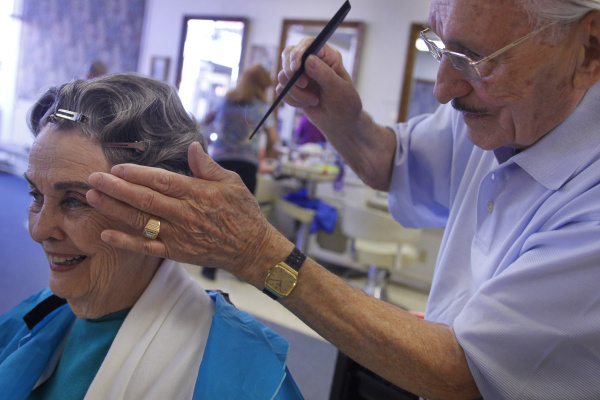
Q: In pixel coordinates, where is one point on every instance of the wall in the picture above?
(57, 46)
(381, 67)
(383, 52)
(60, 40)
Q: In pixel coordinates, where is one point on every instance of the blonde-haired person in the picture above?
(235, 119)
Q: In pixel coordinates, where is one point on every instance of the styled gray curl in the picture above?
(124, 108)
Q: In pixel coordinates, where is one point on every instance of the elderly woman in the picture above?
(114, 324)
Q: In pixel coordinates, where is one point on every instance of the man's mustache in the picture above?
(460, 106)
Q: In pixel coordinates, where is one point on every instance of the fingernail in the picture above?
(311, 62)
(92, 196)
(105, 236)
(95, 179)
(302, 82)
(199, 150)
(117, 171)
(294, 65)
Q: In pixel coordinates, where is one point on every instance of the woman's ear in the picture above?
(588, 62)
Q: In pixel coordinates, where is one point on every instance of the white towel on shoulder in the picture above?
(158, 350)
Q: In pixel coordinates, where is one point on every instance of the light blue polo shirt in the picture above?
(518, 271)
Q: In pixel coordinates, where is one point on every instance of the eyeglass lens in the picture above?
(433, 50)
(458, 61)
(463, 64)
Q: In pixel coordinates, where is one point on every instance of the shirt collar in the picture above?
(557, 156)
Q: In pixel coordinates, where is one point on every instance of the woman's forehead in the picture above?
(65, 155)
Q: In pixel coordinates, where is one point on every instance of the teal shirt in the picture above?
(86, 348)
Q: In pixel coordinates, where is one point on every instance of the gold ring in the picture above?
(152, 228)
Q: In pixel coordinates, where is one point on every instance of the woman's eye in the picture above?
(37, 197)
(73, 202)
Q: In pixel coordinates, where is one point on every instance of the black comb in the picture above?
(314, 48)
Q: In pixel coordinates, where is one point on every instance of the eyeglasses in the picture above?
(463, 63)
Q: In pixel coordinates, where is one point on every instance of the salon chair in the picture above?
(304, 218)
(351, 381)
(380, 243)
(266, 193)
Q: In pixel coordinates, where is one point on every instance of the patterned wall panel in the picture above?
(61, 38)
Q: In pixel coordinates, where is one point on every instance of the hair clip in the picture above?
(70, 115)
(140, 146)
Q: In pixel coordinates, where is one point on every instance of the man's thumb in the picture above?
(202, 165)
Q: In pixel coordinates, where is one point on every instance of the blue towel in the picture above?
(325, 216)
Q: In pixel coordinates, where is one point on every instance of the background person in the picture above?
(307, 132)
(509, 165)
(234, 121)
(113, 323)
(97, 68)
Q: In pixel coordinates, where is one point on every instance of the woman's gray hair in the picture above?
(124, 108)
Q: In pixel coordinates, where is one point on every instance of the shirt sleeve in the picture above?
(429, 163)
(532, 331)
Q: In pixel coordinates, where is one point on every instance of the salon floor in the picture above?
(312, 359)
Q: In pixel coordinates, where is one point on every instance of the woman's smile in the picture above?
(61, 263)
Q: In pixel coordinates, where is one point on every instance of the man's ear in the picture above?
(588, 62)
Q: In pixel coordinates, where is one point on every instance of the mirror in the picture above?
(419, 77)
(347, 39)
(210, 57)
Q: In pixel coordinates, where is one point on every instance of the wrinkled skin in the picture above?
(215, 223)
(61, 220)
(519, 99)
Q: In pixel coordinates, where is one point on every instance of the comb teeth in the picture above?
(140, 146)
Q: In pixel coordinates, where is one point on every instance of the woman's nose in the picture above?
(450, 83)
(46, 225)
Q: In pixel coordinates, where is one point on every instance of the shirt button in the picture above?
(490, 206)
(493, 176)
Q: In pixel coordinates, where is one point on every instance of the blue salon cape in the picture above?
(242, 359)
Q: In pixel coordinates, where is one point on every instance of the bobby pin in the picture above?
(70, 115)
(140, 146)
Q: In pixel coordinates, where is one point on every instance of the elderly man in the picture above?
(509, 165)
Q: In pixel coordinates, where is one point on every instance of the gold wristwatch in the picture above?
(282, 278)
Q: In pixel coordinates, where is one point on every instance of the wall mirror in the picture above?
(210, 57)
(347, 39)
(419, 77)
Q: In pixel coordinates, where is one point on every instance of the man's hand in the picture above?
(211, 220)
(325, 91)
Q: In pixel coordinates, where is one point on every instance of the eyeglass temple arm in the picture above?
(510, 46)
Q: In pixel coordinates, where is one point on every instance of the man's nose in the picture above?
(46, 225)
(450, 82)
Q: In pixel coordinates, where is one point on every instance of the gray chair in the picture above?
(380, 243)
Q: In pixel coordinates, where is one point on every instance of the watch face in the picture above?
(281, 280)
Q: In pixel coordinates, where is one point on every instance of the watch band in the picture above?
(270, 294)
(295, 261)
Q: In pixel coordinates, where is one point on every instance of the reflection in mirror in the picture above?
(210, 58)
(419, 77)
(347, 39)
